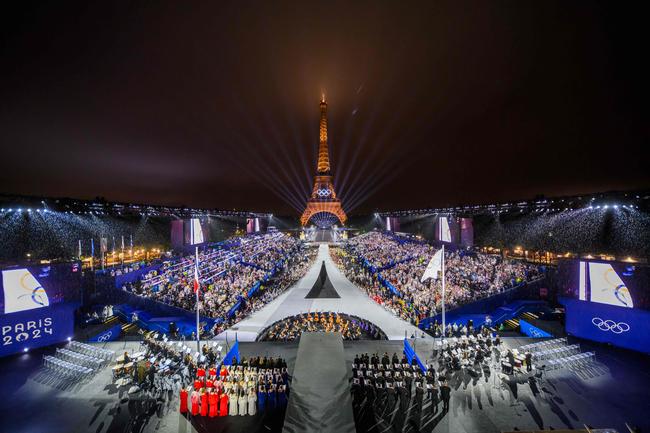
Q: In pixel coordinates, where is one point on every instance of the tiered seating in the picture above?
(389, 268)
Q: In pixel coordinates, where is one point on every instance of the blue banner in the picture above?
(623, 327)
(36, 328)
(233, 352)
(532, 331)
(410, 354)
(110, 334)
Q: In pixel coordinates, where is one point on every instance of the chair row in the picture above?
(544, 345)
(93, 351)
(80, 358)
(573, 361)
(67, 370)
(559, 352)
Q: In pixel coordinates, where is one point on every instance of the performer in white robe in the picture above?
(243, 403)
(232, 406)
(252, 401)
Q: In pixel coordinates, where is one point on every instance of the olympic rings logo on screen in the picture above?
(610, 325)
(105, 337)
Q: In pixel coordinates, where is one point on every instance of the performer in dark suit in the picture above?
(435, 398)
(445, 393)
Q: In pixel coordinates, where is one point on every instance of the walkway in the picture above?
(352, 301)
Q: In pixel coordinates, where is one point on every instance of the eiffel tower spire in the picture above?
(323, 203)
(323, 150)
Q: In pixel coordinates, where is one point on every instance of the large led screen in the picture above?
(196, 231)
(606, 302)
(619, 284)
(444, 231)
(33, 287)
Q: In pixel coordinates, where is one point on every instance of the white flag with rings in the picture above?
(434, 266)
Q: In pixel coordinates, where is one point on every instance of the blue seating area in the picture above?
(499, 315)
(185, 324)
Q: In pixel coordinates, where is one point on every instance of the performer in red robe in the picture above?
(223, 372)
(213, 372)
(183, 400)
(204, 404)
(195, 403)
(209, 383)
(214, 400)
(201, 373)
(223, 405)
(197, 385)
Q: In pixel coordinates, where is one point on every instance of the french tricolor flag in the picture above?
(197, 286)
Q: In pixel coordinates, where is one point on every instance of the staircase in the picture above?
(513, 324)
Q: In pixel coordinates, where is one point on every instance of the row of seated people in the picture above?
(383, 383)
(469, 276)
(470, 352)
(458, 330)
(236, 390)
(350, 327)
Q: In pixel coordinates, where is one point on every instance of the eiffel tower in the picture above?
(323, 207)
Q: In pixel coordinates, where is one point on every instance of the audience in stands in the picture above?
(400, 262)
(227, 275)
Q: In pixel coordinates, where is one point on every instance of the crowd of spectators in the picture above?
(227, 274)
(294, 269)
(469, 276)
(350, 327)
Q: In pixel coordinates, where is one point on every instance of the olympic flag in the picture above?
(434, 266)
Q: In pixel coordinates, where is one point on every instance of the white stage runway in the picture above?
(352, 301)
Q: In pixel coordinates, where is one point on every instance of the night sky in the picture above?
(216, 104)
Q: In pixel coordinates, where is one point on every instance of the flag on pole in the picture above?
(197, 286)
(434, 266)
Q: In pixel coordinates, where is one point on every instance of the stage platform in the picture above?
(320, 390)
(294, 301)
(614, 394)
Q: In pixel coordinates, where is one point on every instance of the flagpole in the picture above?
(198, 334)
(444, 328)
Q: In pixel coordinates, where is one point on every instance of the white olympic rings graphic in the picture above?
(323, 192)
(105, 337)
(610, 325)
